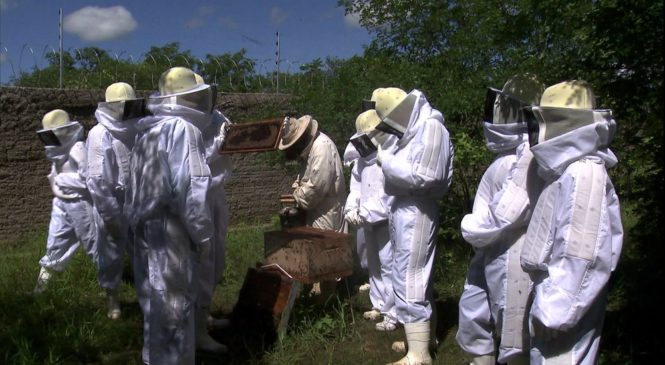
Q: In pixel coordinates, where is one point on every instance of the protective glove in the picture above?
(382, 155)
(220, 138)
(295, 185)
(353, 218)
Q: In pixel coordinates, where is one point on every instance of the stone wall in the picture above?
(25, 196)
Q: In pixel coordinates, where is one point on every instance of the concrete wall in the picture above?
(25, 197)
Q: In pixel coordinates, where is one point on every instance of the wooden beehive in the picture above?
(310, 254)
(266, 299)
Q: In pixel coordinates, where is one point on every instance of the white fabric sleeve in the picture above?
(55, 188)
(353, 198)
(75, 181)
(190, 178)
(318, 178)
(375, 209)
(512, 206)
(478, 228)
(580, 263)
(375, 203)
(426, 164)
(101, 160)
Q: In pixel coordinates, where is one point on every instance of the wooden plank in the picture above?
(255, 136)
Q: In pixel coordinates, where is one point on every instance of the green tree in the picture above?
(462, 47)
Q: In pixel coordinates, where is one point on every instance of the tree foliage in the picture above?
(455, 49)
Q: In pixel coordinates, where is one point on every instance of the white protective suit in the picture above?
(368, 198)
(212, 267)
(109, 146)
(418, 171)
(168, 211)
(573, 242)
(496, 290)
(71, 216)
(350, 159)
(320, 187)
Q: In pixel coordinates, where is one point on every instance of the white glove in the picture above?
(382, 155)
(295, 185)
(221, 136)
(353, 218)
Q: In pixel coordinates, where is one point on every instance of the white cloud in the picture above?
(278, 15)
(194, 23)
(352, 20)
(7, 4)
(205, 10)
(228, 22)
(93, 23)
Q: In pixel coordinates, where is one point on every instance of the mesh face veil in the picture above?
(62, 135)
(124, 110)
(363, 144)
(545, 123)
(48, 137)
(503, 108)
(563, 108)
(202, 98)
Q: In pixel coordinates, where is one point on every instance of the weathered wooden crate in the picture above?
(310, 254)
(266, 299)
(256, 136)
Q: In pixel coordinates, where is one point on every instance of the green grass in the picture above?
(67, 323)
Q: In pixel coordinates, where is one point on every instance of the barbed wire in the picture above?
(248, 74)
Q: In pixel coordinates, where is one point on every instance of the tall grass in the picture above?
(67, 323)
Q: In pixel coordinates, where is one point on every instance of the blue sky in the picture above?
(308, 29)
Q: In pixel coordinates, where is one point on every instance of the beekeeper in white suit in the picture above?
(493, 304)
(320, 188)
(367, 207)
(213, 128)
(169, 214)
(109, 145)
(575, 235)
(417, 165)
(71, 215)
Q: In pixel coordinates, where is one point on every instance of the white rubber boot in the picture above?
(113, 304)
(483, 360)
(203, 340)
(42, 279)
(401, 347)
(417, 337)
(387, 325)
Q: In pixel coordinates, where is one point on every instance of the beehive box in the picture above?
(265, 300)
(310, 254)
